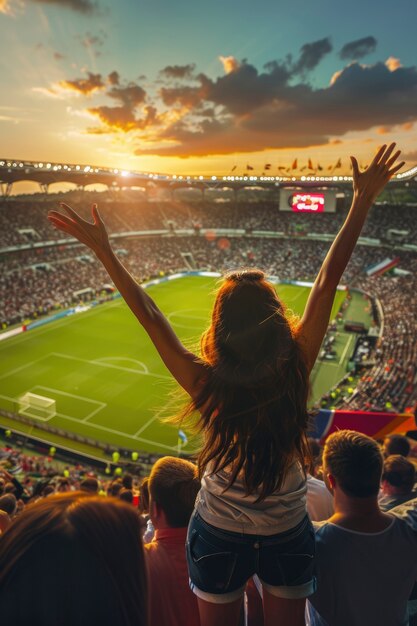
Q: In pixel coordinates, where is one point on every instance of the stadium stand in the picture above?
(39, 276)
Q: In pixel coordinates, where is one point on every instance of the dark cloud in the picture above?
(114, 78)
(123, 118)
(178, 71)
(359, 48)
(85, 86)
(311, 55)
(359, 98)
(248, 110)
(87, 7)
(130, 95)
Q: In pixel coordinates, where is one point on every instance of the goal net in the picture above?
(33, 405)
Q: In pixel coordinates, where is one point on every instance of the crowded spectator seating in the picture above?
(40, 276)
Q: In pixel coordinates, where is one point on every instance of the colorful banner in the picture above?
(376, 425)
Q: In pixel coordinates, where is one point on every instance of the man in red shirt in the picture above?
(173, 487)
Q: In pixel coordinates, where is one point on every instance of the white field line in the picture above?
(99, 405)
(116, 367)
(52, 326)
(149, 422)
(106, 428)
(109, 359)
(180, 314)
(346, 349)
(22, 367)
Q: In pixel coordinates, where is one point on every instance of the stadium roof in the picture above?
(47, 173)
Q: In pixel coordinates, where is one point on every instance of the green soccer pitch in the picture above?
(106, 377)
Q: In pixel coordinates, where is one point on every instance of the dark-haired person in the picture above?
(173, 487)
(250, 388)
(90, 485)
(396, 444)
(398, 482)
(73, 560)
(366, 559)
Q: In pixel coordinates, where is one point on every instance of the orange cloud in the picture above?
(230, 64)
(393, 64)
(84, 86)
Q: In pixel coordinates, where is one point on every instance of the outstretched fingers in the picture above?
(77, 218)
(355, 166)
(378, 155)
(96, 215)
(392, 160)
(387, 153)
(395, 169)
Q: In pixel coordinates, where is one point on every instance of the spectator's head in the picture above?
(1, 486)
(396, 444)
(126, 495)
(398, 476)
(127, 481)
(90, 485)
(173, 487)
(115, 488)
(71, 553)
(144, 497)
(352, 463)
(314, 459)
(8, 504)
(63, 485)
(9, 488)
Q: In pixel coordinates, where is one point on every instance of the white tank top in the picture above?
(235, 511)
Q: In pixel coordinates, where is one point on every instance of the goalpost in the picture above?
(39, 407)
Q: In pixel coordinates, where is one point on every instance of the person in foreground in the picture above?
(73, 560)
(249, 388)
(366, 559)
(173, 487)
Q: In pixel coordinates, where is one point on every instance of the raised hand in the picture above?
(93, 235)
(369, 183)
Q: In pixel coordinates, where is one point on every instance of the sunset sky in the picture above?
(185, 86)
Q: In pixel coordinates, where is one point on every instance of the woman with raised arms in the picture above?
(249, 388)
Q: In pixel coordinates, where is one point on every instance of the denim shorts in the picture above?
(221, 562)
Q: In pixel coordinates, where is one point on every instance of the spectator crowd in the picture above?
(78, 548)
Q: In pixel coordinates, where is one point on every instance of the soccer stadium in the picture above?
(208, 314)
(111, 393)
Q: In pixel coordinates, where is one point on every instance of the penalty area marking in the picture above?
(105, 428)
(180, 313)
(107, 360)
(116, 367)
(99, 405)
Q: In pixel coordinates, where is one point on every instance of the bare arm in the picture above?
(186, 368)
(367, 185)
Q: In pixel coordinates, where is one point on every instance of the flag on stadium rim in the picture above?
(294, 165)
(249, 167)
(338, 164)
(182, 437)
(310, 165)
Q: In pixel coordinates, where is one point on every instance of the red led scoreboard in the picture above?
(308, 200)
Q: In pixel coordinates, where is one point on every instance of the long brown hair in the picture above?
(252, 403)
(73, 559)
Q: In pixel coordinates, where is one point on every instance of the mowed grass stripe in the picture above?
(101, 355)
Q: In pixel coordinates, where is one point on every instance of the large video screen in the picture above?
(307, 200)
